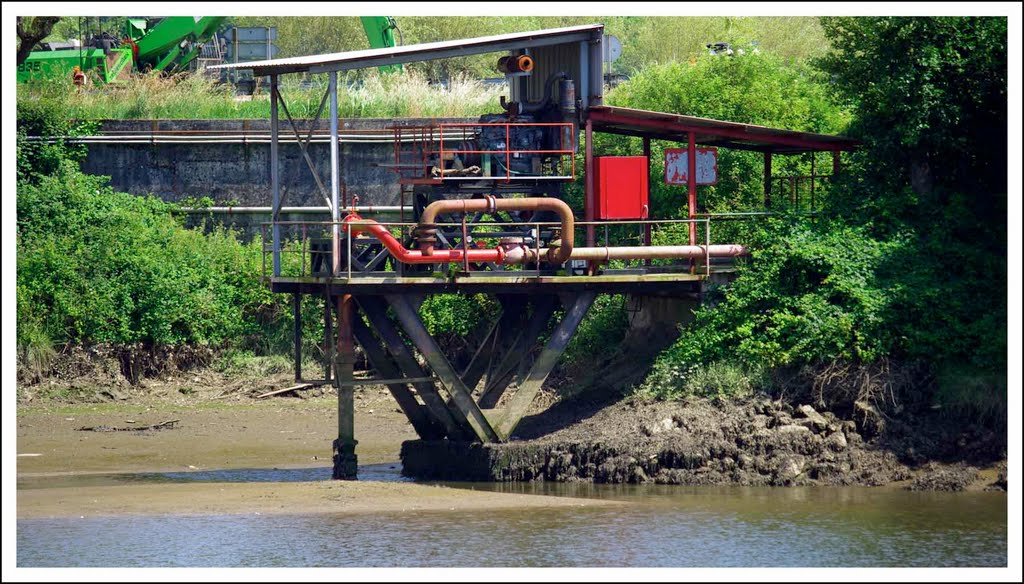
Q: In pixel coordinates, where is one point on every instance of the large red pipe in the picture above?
(427, 228)
(408, 256)
(521, 254)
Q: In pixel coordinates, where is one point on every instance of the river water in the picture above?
(668, 526)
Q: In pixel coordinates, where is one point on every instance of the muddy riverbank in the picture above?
(220, 424)
(755, 442)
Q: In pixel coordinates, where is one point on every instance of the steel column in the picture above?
(545, 362)
(836, 163)
(419, 416)
(335, 186)
(345, 461)
(419, 336)
(647, 226)
(376, 311)
(275, 180)
(767, 180)
(588, 188)
(691, 183)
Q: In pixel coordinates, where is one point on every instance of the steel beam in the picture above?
(545, 362)
(427, 427)
(376, 311)
(417, 332)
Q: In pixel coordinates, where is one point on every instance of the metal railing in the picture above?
(306, 249)
(415, 164)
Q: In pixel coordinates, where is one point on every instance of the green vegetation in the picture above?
(197, 97)
(909, 262)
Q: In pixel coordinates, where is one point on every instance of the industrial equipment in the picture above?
(156, 44)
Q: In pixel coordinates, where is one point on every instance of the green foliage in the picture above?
(95, 265)
(808, 295)
(931, 101)
(916, 268)
(716, 379)
(600, 333)
(645, 40)
(454, 315)
(761, 89)
(187, 96)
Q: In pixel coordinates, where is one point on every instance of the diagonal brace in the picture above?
(418, 334)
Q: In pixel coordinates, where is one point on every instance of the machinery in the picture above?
(157, 44)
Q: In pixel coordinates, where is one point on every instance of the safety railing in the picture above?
(308, 248)
(426, 155)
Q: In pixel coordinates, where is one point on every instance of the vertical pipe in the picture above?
(275, 181)
(335, 190)
(345, 462)
(767, 179)
(297, 334)
(647, 226)
(691, 183)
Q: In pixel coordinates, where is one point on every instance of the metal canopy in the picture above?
(421, 52)
(675, 127)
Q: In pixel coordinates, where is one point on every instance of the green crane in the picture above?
(380, 33)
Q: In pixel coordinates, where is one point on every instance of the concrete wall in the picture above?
(240, 173)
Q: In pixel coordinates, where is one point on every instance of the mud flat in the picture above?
(274, 498)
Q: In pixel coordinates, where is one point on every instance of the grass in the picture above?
(408, 94)
(718, 379)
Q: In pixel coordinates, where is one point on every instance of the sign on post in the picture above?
(677, 167)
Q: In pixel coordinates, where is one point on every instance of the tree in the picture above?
(31, 30)
(931, 101)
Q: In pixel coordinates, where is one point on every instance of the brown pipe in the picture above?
(557, 255)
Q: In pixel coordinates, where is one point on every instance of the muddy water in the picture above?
(662, 526)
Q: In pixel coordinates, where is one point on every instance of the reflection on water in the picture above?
(663, 526)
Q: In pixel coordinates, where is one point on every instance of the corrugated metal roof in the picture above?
(421, 52)
(709, 132)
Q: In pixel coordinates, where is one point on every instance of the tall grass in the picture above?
(409, 94)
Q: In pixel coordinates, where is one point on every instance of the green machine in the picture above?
(380, 31)
(166, 44)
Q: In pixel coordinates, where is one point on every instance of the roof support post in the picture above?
(691, 183)
(275, 181)
(588, 187)
(767, 179)
(335, 187)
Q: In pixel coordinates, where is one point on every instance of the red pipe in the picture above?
(408, 256)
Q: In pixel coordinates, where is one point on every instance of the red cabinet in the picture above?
(621, 186)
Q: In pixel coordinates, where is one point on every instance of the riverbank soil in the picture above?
(756, 442)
